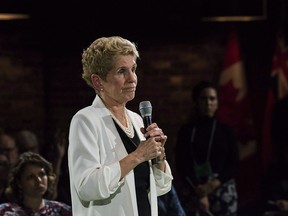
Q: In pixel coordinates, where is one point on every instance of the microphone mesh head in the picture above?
(145, 108)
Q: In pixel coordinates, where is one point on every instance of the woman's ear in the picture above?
(96, 81)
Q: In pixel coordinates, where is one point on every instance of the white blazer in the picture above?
(95, 149)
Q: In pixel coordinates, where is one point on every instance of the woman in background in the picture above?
(209, 152)
(32, 179)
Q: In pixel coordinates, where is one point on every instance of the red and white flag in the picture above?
(234, 110)
(277, 90)
(234, 105)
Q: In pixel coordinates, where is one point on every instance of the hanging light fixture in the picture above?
(13, 16)
(234, 11)
(14, 9)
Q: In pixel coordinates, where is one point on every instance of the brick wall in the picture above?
(21, 85)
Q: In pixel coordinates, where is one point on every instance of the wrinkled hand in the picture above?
(149, 149)
(153, 146)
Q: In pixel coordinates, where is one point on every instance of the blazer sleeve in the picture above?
(94, 171)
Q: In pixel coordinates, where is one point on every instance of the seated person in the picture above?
(4, 172)
(32, 179)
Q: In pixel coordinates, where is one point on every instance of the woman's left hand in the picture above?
(154, 131)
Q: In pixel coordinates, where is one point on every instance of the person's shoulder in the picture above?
(225, 127)
(185, 130)
(90, 108)
(5, 204)
(222, 124)
(87, 112)
(55, 203)
(8, 206)
(188, 125)
(281, 106)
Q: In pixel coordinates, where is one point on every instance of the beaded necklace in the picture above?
(128, 130)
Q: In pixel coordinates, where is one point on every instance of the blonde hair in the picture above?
(99, 57)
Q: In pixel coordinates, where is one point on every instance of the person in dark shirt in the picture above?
(275, 181)
(207, 158)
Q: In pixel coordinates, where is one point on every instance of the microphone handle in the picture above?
(147, 120)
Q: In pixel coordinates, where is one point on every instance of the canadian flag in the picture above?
(278, 89)
(234, 110)
(234, 105)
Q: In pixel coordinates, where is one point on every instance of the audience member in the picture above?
(207, 158)
(32, 179)
(4, 172)
(26, 140)
(275, 185)
(9, 155)
(8, 147)
(170, 205)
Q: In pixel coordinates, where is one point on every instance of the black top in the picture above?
(192, 148)
(141, 174)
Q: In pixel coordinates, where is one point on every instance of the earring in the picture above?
(101, 89)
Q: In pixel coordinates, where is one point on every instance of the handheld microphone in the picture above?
(145, 109)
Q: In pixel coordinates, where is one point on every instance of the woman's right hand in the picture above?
(146, 150)
(154, 143)
(149, 149)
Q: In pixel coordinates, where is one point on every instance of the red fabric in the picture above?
(234, 110)
(234, 106)
(232, 54)
(277, 90)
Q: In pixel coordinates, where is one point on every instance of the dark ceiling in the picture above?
(56, 21)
